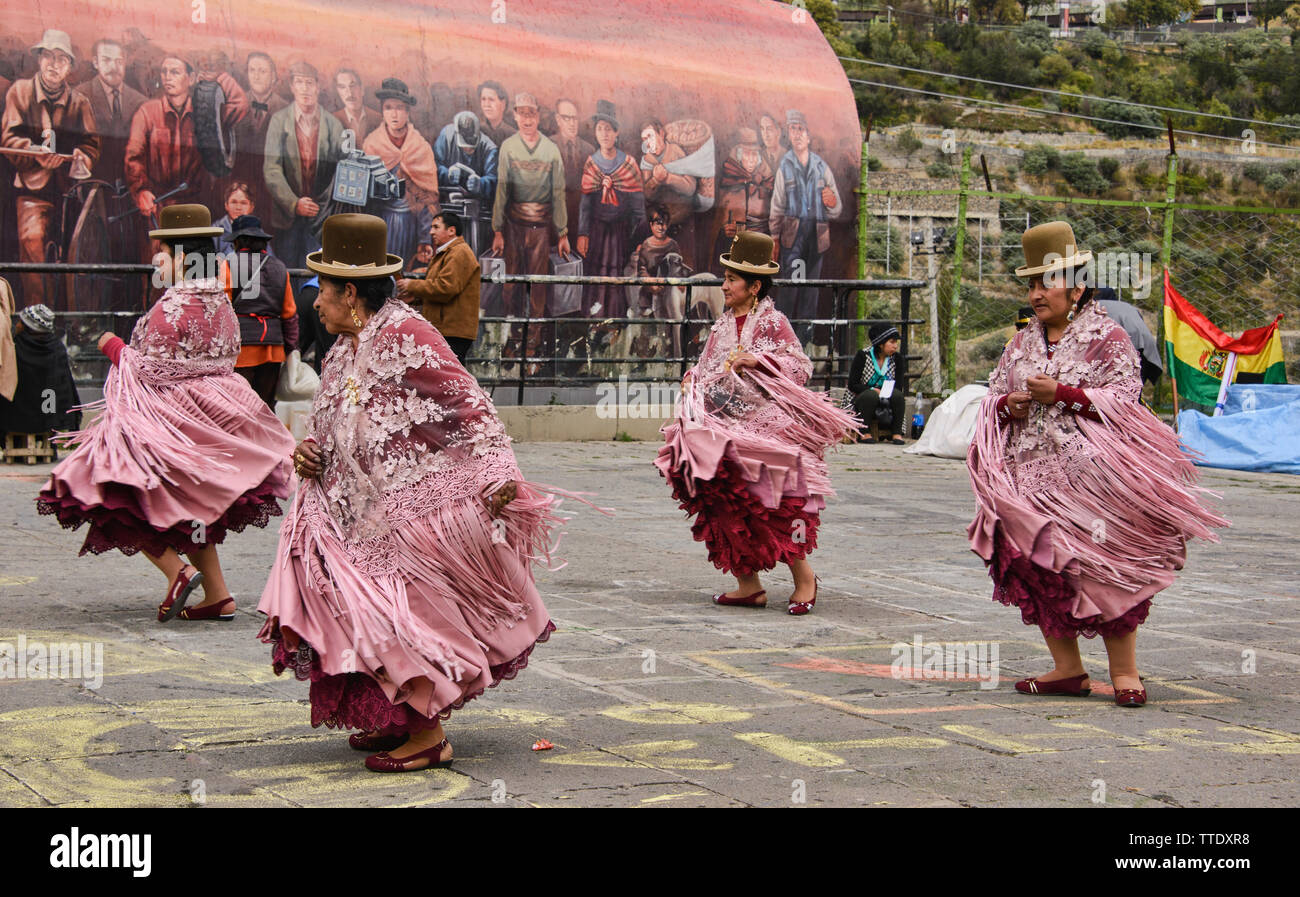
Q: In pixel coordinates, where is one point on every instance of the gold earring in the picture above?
(355, 319)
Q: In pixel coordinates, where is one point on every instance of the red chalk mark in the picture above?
(879, 670)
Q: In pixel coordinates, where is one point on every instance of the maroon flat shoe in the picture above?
(1130, 697)
(799, 608)
(384, 763)
(360, 741)
(215, 611)
(1071, 687)
(757, 599)
(178, 594)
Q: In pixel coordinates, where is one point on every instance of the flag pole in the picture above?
(1169, 353)
(1229, 372)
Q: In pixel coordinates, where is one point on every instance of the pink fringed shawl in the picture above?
(1108, 505)
(762, 419)
(412, 446)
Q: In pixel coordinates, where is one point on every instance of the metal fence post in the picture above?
(1166, 253)
(959, 251)
(686, 330)
(862, 241)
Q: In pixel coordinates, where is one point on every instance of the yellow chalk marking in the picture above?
(667, 797)
(16, 580)
(145, 658)
(651, 754)
(667, 713)
(1269, 741)
(817, 754)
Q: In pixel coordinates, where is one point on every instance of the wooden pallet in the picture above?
(30, 447)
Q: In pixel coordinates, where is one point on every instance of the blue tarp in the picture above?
(1259, 430)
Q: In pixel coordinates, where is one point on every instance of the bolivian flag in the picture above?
(1197, 351)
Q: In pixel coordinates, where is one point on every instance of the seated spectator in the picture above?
(46, 395)
(873, 372)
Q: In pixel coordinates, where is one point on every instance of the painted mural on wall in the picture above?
(640, 135)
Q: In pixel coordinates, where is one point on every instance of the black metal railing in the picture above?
(841, 334)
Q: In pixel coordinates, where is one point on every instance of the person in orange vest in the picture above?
(259, 289)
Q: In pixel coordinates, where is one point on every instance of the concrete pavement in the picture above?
(654, 697)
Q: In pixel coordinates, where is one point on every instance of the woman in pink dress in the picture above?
(1085, 499)
(402, 586)
(744, 455)
(182, 450)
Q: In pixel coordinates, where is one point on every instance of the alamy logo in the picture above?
(59, 660)
(77, 851)
(638, 400)
(946, 660)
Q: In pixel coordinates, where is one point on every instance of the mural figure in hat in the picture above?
(183, 451)
(529, 208)
(805, 199)
(467, 166)
(745, 454)
(408, 155)
(33, 105)
(402, 586)
(613, 206)
(1085, 499)
(744, 191)
(162, 151)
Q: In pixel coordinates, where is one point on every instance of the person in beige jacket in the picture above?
(8, 358)
(448, 294)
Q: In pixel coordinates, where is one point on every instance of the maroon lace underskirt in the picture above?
(355, 701)
(119, 523)
(1045, 598)
(742, 535)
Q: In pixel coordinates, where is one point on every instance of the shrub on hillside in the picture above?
(1109, 167)
(1038, 159)
(939, 169)
(1082, 174)
(1275, 182)
(1125, 121)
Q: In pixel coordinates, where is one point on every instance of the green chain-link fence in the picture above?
(1238, 265)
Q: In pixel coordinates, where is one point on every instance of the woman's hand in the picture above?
(1018, 404)
(502, 497)
(1042, 388)
(104, 338)
(308, 459)
(744, 360)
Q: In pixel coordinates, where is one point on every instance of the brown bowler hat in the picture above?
(1055, 239)
(185, 220)
(355, 248)
(751, 252)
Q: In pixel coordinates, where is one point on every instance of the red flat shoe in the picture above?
(757, 599)
(384, 763)
(1130, 697)
(1070, 687)
(178, 594)
(215, 611)
(360, 741)
(799, 608)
